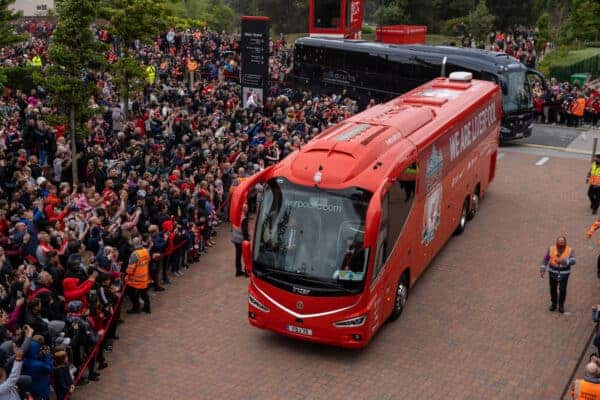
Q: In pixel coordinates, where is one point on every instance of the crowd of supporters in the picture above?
(571, 104)
(518, 43)
(157, 178)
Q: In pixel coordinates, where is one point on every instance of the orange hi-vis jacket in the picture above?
(584, 390)
(594, 175)
(593, 229)
(555, 258)
(578, 107)
(138, 269)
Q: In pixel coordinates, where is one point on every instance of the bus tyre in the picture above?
(474, 206)
(401, 297)
(462, 221)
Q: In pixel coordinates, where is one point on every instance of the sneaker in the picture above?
(166, 281)
(103, 365)
(561, 309)
(133, 311)
(552, 307)
(94, 377)
(148, 311)
(159, 289)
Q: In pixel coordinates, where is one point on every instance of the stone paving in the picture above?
(476, 324)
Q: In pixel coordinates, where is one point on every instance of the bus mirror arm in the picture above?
(247, 255)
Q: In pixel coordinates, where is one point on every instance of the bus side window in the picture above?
(401, 196)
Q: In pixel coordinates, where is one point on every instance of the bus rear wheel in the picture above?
(401, 298)
(474, 206)
(462, 222)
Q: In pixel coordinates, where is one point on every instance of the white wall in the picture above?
(32, 8)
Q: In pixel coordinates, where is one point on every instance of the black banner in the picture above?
(255, 59)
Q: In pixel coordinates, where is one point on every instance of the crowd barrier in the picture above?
(100, 342)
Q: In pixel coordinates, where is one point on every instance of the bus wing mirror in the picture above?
(240, 194)
(373, 217)
(247, 255)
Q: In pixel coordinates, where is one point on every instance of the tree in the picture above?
(583, 24)
(73, 52)
(543, 31)
(392, 12)
(215, 13)
(7, 31)
(287, 16)
(481, 21)
(132, 20)
(221, 17)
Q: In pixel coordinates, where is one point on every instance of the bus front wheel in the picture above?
(401, 298)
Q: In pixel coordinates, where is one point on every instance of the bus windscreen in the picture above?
(311, 232)
(516, 93)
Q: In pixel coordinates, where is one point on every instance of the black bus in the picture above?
(383, 71)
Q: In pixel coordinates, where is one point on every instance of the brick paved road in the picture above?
(476, 325)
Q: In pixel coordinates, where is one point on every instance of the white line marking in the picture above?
(501, 155)
(542, 161)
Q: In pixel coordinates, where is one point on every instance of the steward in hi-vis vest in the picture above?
(594, 182)
(590, 232)
(558, 260)
(588, 388)
(137, 279)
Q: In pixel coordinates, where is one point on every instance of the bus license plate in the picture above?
(297, 329)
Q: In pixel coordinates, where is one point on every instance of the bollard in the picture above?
(594, 148)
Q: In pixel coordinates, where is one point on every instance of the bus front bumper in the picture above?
(319, 329)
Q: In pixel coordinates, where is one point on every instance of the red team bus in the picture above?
(350, 221)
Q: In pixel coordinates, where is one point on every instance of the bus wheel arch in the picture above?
(401, 296)
(475, 198)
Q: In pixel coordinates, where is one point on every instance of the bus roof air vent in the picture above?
(461, 76)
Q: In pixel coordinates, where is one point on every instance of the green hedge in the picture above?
(563, 62)
(368, 29)
(448, 26)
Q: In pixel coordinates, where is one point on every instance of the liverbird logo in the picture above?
(434, 164)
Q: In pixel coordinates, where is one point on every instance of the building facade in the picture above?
(33, 8)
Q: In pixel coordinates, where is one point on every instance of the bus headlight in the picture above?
(351, 323)
(257, 304)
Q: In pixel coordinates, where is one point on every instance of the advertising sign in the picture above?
(255, 59)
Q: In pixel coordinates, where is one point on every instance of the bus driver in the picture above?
(352, 267)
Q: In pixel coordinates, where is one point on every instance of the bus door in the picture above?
(394, 252)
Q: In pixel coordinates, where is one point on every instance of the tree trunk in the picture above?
(73, 147)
